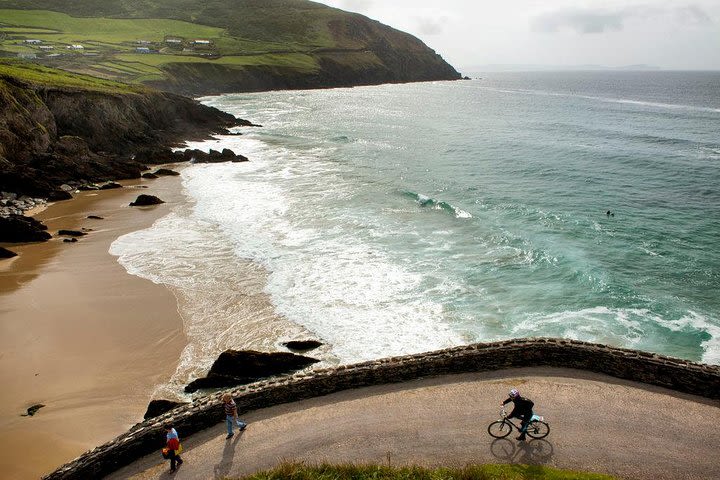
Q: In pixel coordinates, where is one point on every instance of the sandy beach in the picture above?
(79, 334)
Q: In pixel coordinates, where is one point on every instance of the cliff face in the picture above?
(51, 135)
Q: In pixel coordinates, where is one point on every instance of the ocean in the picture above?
(397, 219)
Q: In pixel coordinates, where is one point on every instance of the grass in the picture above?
(109, 30)
(39, 75)
(294, 471)
(298, 61)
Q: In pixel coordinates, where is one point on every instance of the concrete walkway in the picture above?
(598, 423)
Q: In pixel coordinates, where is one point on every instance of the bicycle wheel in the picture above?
(538, 429)
(499, 429)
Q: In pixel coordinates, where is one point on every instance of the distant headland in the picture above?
(202, 48)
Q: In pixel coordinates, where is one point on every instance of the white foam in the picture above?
(631, 328)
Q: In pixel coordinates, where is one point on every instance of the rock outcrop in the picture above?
(158, 407)
(303, 345)
(146, 200)
(20, 229)
(52, 135)
(5, 253)
(241, 367)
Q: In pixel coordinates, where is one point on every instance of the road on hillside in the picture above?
(598, 424)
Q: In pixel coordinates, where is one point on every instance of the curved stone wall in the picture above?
(204, 412)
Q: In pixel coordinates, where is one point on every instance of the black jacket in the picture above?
(522, 406)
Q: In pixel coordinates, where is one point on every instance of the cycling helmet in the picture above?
(514, 393)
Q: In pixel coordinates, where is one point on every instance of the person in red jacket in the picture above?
(173, 445)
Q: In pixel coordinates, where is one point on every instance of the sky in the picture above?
(670, 34)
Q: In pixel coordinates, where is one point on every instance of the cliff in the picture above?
(216, 46)
(57, 127)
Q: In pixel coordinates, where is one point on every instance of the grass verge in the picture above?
(298, 471)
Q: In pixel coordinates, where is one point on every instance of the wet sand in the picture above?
(80, 335)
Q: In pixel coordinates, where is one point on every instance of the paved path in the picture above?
(598, 424)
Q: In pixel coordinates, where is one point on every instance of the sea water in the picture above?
(397, 219)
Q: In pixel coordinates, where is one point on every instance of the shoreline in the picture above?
(81, 335)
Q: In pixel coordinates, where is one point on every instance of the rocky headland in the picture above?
(55, 138)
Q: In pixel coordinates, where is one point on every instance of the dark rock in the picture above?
(160, 172)
(32, 410)
(88, 187)
(155, 156)
(227, 155)
(71, 233)
(240, 367)
(95, 217)
(196, 156)
(246, 123)
(5, 253)
(149, 175)
(19, 228)
(158, 407)
(70, 145)
(145, 200)
(70, 240)
(110, 186)
(58, 195)
(303, 345)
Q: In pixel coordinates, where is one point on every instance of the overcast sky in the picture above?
(672, 34)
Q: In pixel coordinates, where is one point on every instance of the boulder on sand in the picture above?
(5, 253)
(145, 200)
(71, 233)
(241, 367)
(19, 229)
(162, 172)
(158, 407)
(302, 345)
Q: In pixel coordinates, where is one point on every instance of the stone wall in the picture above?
(204, 412)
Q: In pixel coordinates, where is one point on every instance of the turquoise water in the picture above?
(402, 218)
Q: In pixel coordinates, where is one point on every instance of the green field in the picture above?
(112, 31)
(40, 75)
(115, 41)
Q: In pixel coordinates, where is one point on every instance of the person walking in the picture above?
(231, 415)
(173, 447)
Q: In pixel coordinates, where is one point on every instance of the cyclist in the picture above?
(522, 409)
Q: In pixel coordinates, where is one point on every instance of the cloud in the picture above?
(588, 20)
(430, 25)
(356, 5)
(580, 20)
(693, 15)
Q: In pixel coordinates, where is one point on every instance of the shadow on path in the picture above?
(222, 469)
(533, 452)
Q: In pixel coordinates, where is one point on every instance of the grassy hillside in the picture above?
(30, 73)
(282, 43)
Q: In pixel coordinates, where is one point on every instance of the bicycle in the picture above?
(537, 428)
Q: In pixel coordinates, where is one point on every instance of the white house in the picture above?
(201, 42)
(33, 41)
(75, 47)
